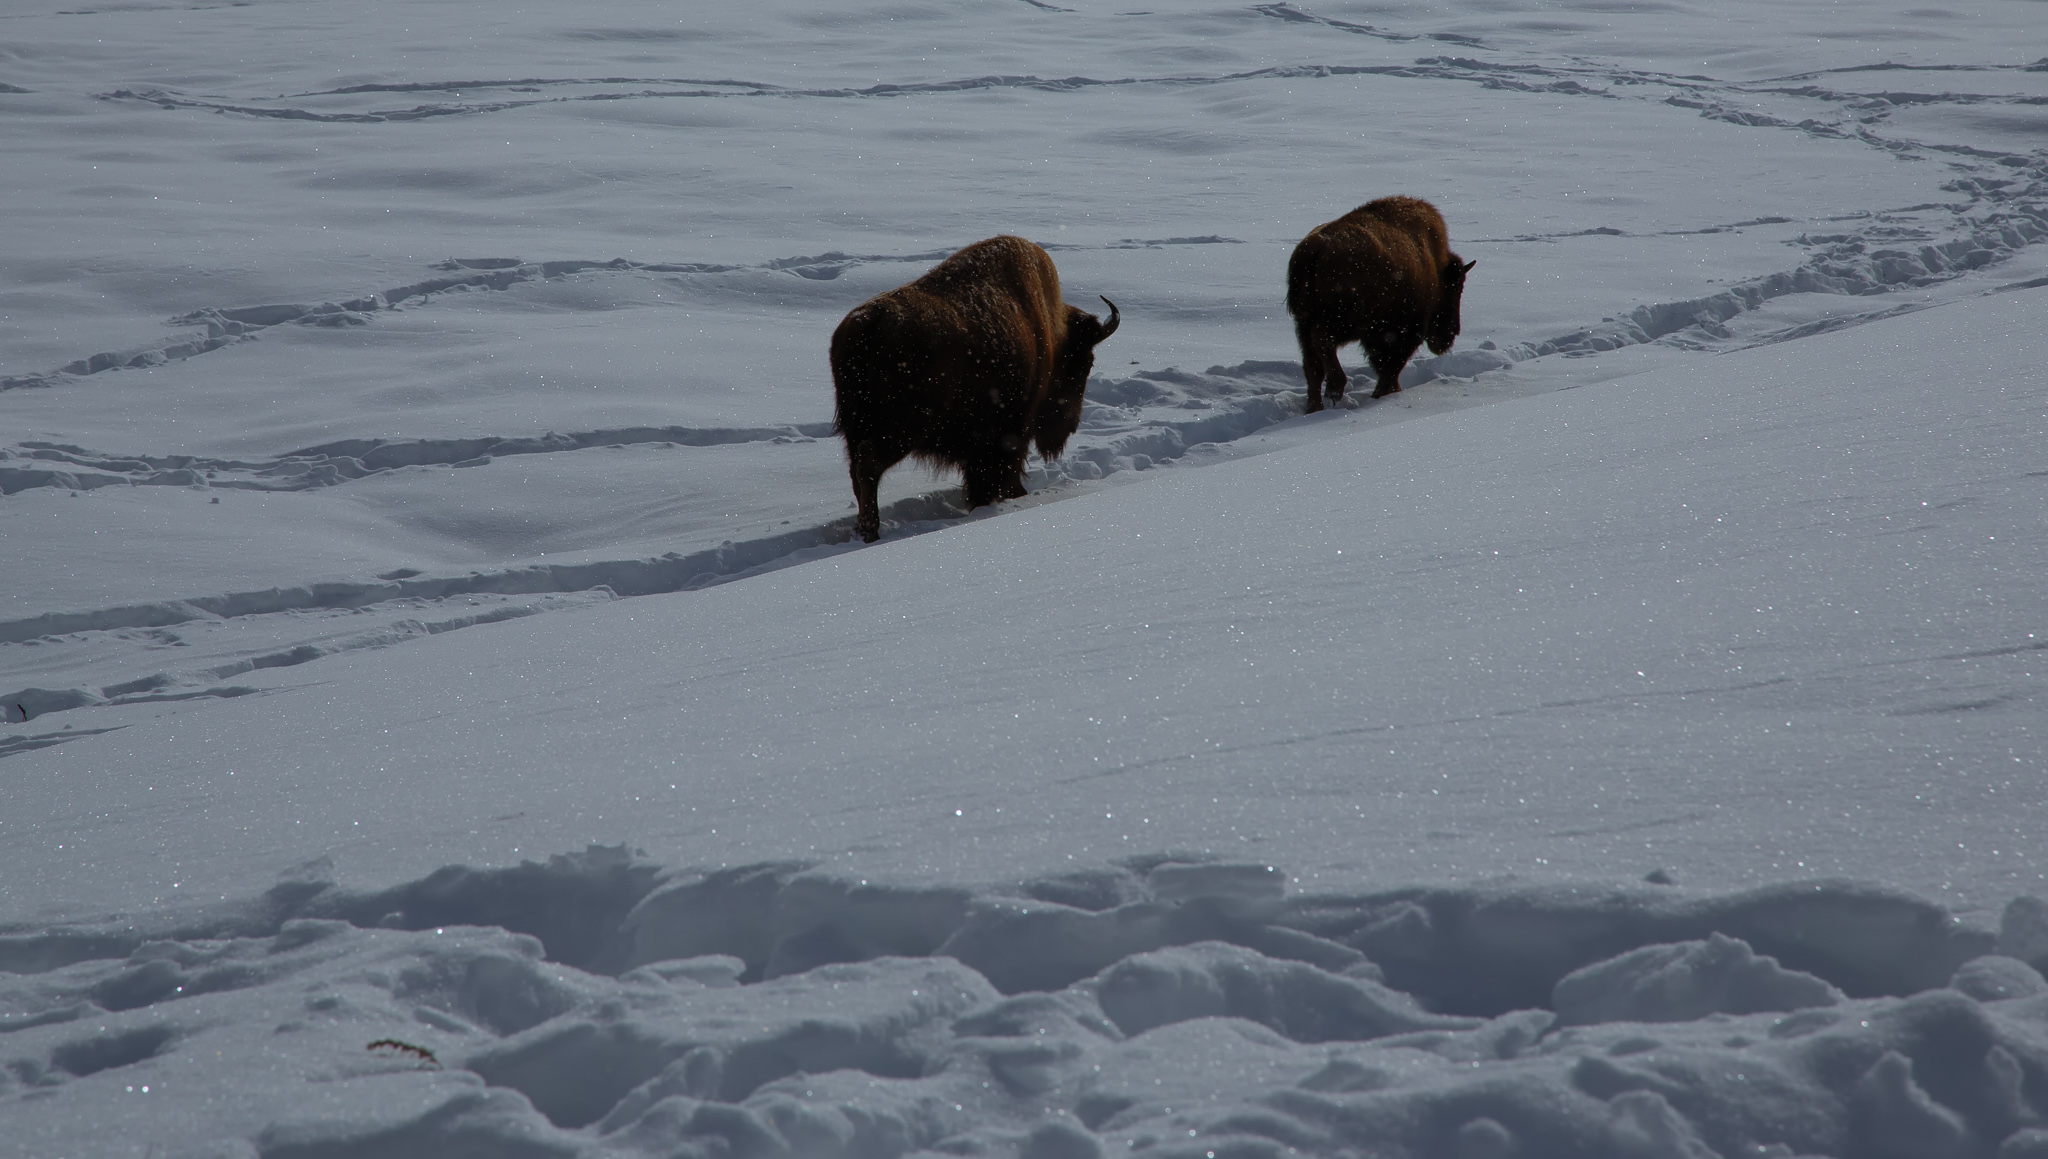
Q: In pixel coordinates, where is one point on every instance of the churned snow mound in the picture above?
(772, 1010)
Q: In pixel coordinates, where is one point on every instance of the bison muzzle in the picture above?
(1383, 276)
(966, 368)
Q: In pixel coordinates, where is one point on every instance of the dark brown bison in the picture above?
(1383, 276)
(964, 367)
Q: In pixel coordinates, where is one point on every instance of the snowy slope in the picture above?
(415, 468)
(1729, 619)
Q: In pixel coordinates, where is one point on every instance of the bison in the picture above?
(1383, 276)
(964, 367)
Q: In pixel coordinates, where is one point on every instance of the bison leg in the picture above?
(980, 472)
(866, 462)
(994, 471)
(1319, 366)
(1333, 375)
(1010, 480)
(1388, 360)
(985, 478)
(983, 485)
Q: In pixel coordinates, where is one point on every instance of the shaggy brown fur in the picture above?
(1383, 276)
(964, 367)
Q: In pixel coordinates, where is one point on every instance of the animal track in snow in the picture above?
(1132, 424)
(1842, 264)
(1535, 78)
(1291, 13)
(224, 325)
(2010, 186)
(39, 464)
(28, 742)
(1148, 419)
(2003, 211)
(247, 634)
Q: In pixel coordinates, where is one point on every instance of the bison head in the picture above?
(1059, 416)
(1444, 325)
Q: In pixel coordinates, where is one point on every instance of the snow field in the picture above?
(1271, 807)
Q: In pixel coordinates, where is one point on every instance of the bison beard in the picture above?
(966, 367)
(1383, 276)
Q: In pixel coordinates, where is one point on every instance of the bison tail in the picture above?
(1300, 279)
(852, 373)
(1303, 327)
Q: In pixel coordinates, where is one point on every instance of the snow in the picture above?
(445, 713)
(1689, 980)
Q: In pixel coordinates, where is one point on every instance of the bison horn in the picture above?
(1115, 319)
(1470, 264)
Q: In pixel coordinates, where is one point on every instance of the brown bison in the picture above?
(964, 367)
(1383, 276)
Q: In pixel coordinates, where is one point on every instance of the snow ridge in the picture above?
(597, 1004)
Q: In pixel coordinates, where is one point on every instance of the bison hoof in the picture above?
(867, 534)
(1314, 405)
(1384, 391)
